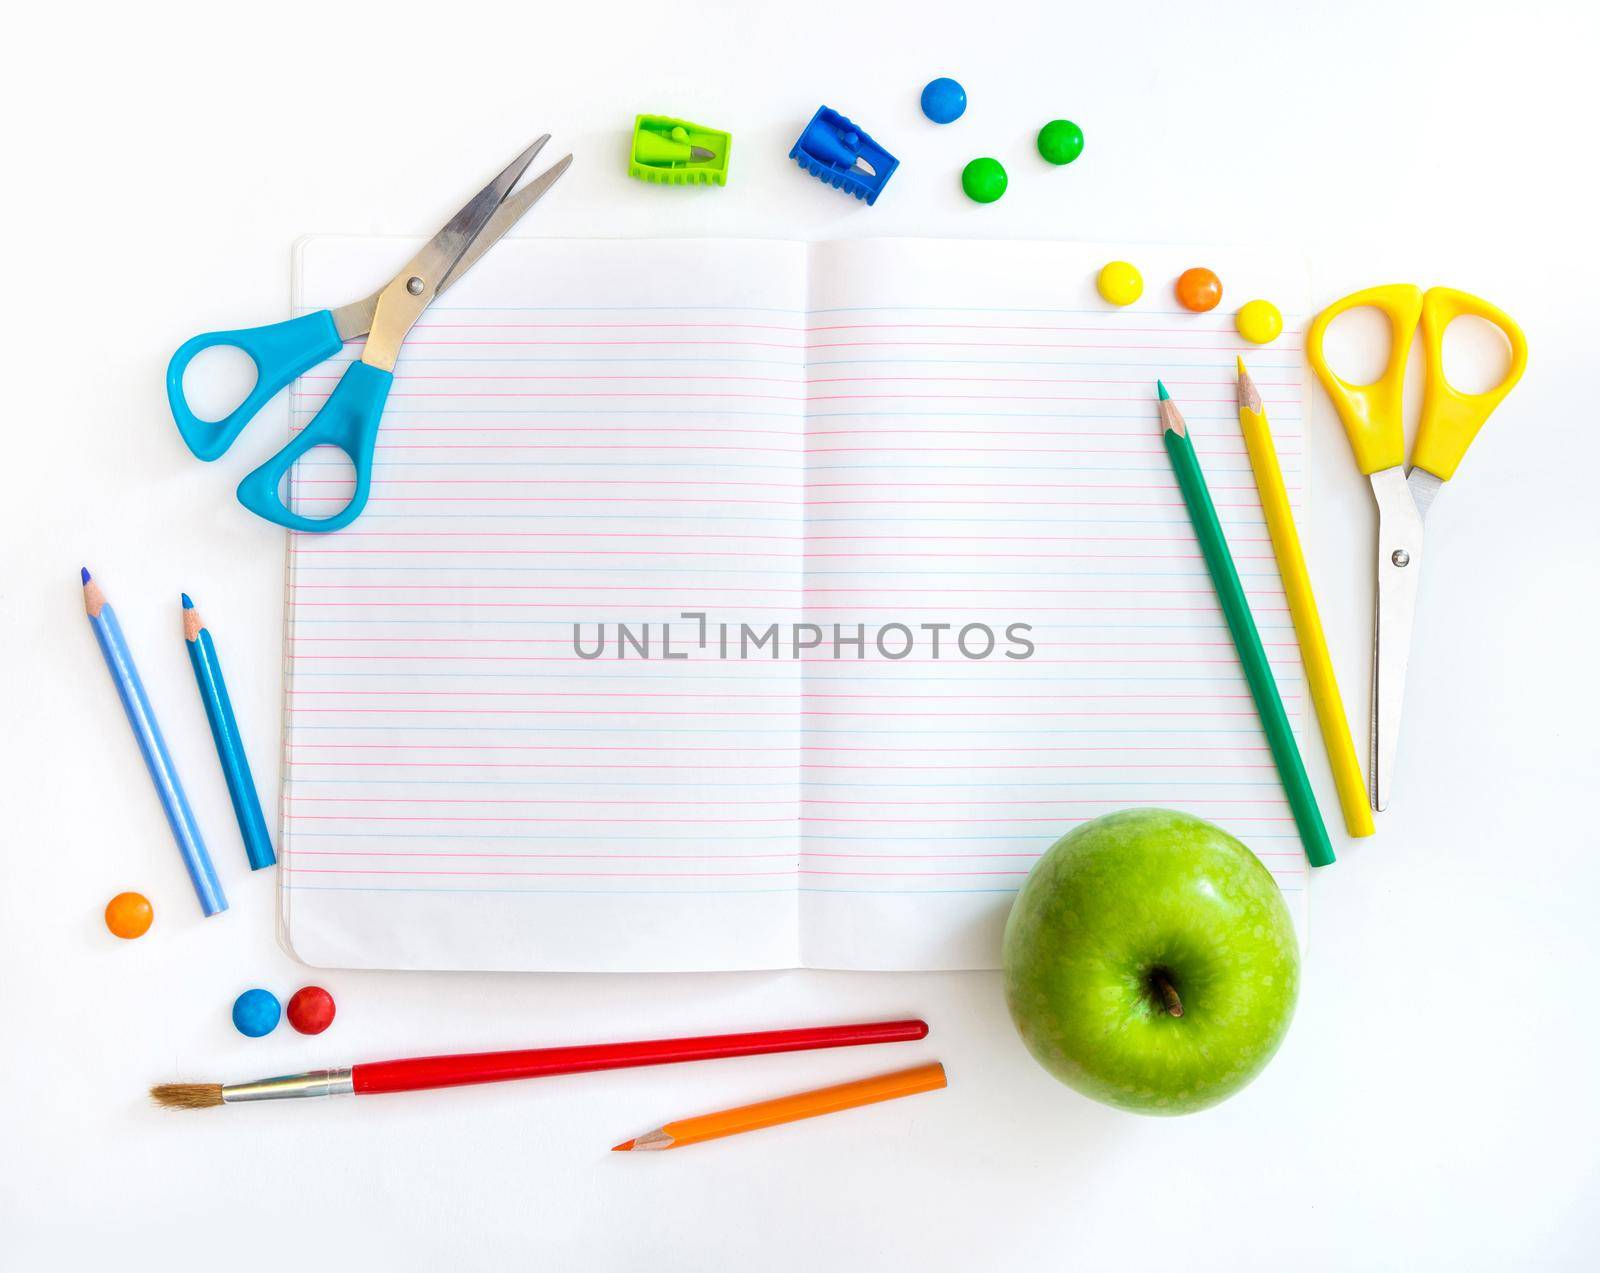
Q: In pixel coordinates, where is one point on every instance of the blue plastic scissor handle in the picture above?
(348, 420)
(280, 351)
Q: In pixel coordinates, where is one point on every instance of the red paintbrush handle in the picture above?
(492, 1067)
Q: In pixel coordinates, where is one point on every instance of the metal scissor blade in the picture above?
(505, 216)
(1399, 569)
(355, 319)
(1424, 488)
(412, 290)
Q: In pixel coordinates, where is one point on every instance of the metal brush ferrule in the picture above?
(311, 1083)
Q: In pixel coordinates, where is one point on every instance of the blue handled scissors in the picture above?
(349, 418)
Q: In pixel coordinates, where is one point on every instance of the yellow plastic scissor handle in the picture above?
(1372, 414)
(1450, 418)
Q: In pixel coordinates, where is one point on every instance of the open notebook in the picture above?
(588, 440)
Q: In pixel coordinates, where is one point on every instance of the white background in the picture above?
(1435, 1104)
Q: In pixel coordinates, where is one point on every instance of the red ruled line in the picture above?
(699, 756)
(650, 875)
(677, 820)
(958, 710)
(873, 752)
(699, 693)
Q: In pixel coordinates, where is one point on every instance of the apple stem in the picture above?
(1169, 992)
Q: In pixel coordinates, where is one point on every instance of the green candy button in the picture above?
(984, 180)
(1061, 141)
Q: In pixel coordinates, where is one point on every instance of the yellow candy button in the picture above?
(1120, 283)
(1259, 321)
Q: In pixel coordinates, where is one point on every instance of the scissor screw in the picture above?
(1401, 557)
(414, 285)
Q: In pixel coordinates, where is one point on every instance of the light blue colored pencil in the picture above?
(142, 719)
(225, 731)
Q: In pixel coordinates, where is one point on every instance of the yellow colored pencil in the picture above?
(789, 1109)
(1303, 610)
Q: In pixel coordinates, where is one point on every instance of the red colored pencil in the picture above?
(417, 1073)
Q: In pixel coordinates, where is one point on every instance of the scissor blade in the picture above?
(1424, 488)
(1399, 569)
(355, 319)
(447, 247)
(412, 290)
(505, 216)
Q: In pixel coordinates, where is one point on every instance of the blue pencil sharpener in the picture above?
(834, 150)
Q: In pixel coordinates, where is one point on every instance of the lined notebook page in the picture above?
(579, 431)
(983, 449)
(876, 433)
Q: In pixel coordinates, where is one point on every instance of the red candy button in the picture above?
(311, 1010)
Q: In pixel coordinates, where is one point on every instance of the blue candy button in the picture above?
(255, 1013)
(944, 100)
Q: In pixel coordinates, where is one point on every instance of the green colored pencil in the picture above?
(1236, 609)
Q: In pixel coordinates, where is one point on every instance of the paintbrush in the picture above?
(417, 1073)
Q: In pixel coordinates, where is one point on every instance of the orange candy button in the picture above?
(129, 915)
(1199, 289)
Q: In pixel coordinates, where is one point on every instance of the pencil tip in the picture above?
(1249, 395)
(84, 571)
(187, 604)
(626, 1145)
(1167, 411)
(1239, 360)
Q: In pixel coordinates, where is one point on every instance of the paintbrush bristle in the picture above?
(187, 1095)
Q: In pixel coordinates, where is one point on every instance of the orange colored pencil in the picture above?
(789, 1109)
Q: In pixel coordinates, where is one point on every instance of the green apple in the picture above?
(1150, 962)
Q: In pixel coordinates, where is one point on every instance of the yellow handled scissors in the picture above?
(1372, 419)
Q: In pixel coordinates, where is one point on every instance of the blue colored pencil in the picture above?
(225, 730)
(142, 719)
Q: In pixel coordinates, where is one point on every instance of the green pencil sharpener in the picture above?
(678, 153)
